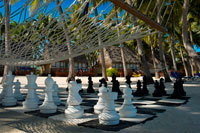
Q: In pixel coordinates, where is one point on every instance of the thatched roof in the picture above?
(114, 54)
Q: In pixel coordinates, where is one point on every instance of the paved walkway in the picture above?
(180, 119)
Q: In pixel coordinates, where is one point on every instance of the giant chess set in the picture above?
(110, 108)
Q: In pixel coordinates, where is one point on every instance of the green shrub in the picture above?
(110, 71)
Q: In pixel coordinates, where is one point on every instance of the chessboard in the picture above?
(147, 109)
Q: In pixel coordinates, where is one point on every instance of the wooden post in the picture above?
(139, 15)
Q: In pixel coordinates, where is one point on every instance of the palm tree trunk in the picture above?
(141, 53)
(188, 46)
(173, 43)
(71, 75)
(153, 57)
(189, 67)
(166, 75)
(102, 58)
(7, 37)
(121, 46)
(184, 64)
(194, 60)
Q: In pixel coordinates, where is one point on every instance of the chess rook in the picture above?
(48, 105)
(109, 116)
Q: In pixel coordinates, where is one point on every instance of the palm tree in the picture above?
(7, 68)
(141, 52)
(102, 58)
(121, 44)
(188, 46)
(167, 78)
(71, 75)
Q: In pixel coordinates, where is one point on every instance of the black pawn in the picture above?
(103, 81)
(145, 91)
(128, 80)
(138, 92)
(67, 89)
(176, 93)
(115, 86)
(162, 87)
(90, 88)
(157, 91)
(78, 81)
(181, 90)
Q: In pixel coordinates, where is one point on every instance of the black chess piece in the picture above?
(102, 81)
(90, 88)
(145, 91)
(138, 92)
(128, 80)
(181, 90)
(176, 93)
(157, 92)
(78, 81)
(67, 86)
(162, 87)
(116, 85)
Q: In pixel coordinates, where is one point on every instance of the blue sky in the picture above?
(52, 5)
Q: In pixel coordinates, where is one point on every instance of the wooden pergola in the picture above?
(139, 15)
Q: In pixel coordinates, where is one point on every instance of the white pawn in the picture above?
(127, 109)
(17, 93)
(48, 105)
(109, 116)
(55, 94)
(98, 108)
(74, 100)
(31, 101)
(9, 99)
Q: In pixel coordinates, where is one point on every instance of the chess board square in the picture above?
(153, 106)
(150, 98)
(19, 109)
(149, 111)
(143, 102)
(124, 123)
(138, 118)
(86, 117)
(171, 102)
(37, 113)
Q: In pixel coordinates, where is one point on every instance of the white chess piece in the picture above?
(127, 109)
(3, 92)
(109, 116)
(9, 99)
(17, 93)
(55, 94)
(74, 100)
(48, 105)
(31, 101)
(98, 108)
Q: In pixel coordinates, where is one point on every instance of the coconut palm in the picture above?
(34, 5)
(141, 52)
(7, 36)
(188, 46)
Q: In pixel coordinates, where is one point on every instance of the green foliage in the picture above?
(111, 71)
